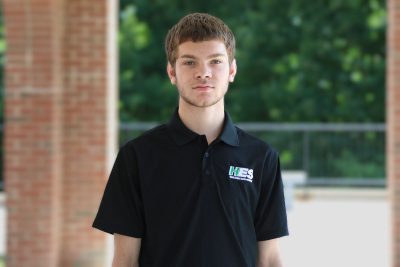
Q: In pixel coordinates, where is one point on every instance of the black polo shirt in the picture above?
(195, 204)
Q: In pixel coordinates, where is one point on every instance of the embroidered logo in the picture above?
(240, 173)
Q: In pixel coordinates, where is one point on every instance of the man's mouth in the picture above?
(203, 87)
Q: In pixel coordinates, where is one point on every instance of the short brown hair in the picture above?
(197, 27)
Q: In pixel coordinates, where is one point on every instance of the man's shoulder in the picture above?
(154, 135)
(249, 141)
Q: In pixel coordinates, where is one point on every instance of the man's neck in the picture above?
(204, 121)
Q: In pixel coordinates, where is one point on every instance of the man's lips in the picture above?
(203, 87)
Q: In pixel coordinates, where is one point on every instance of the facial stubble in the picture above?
(205, 103)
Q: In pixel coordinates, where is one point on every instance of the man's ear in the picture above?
(232, 70)
(171, 73)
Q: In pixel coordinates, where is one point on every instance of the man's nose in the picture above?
(203, 72)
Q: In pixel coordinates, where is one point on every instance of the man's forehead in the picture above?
(212, 48)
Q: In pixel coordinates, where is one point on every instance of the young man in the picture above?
(197, 191)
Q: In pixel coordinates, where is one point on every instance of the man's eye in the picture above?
(188, 63)
(216, 61)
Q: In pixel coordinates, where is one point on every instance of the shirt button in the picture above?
(206, 155)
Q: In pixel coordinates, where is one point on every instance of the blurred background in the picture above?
(310, 82)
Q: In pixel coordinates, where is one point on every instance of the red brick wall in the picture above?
(393, 123)
(32, 118)
(60, 128)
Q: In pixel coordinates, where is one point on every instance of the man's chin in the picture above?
(198, 104)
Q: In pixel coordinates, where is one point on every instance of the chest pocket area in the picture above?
(236, 190)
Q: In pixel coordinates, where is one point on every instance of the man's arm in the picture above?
(126, 251)
(268, 254)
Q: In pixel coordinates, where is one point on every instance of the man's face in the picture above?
(202, 72)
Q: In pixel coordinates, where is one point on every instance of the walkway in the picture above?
(347, 228)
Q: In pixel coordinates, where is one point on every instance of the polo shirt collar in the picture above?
(183, 135)
(229, 133)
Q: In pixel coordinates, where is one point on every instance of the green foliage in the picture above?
(350, 165)
(298, 61)
(347, 154)
(146, 93)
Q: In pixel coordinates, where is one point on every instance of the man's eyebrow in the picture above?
(216, 55)
(187, 56)
(210, 56)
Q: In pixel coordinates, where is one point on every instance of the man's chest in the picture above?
(180, 181)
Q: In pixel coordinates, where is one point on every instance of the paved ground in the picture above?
(339, 228)
(329, 228)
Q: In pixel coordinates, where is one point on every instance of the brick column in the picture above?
(393, 123)
(90, 116)
(32, 167)
(60, 128)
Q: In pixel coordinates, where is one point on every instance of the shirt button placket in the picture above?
(206, 167)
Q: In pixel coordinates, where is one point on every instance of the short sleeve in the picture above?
(121, 208)
(270, 218)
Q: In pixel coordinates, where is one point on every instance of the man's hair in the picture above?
(197, 27)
